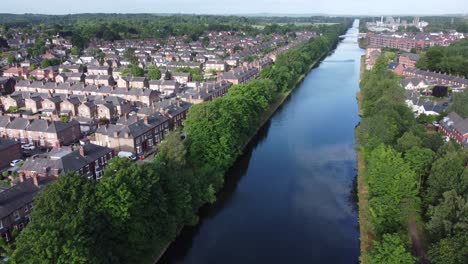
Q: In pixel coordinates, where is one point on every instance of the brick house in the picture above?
(9, 150)
(16, 204)
(181, 77)
(7, 85)
(134, 134)
(69, 106)
(219, 66)
(16, 72)
(88, 160)
(34, 103)
(87, 109)
(40, 132)
(455, 127)
(239, 75)
(408, 59)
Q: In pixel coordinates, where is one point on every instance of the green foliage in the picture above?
(75, 51)
(452, 59)
(61, 231)
(64, 118)
(420, 160)
(11, 59)
(133, 71)
(129, 54)
(408, 141)
(447, 173)
(449, 217)
(392, 250)
(451, 250)
(197, 75)
(50, 62)
(137, 71)
(154, 73)
(13, 109)
(460, 103)
(392, 186)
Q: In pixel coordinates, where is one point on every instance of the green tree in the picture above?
(129, 54)
(133, 205)
(154, 73)
(136, 71)
(450, 216)
(408, 141)
(61, 231)
(392, 187)
(451, 250)
(420, 160)
(76, 51)
(447, 173)
(11, 60)
(391, 250)
(460, 103)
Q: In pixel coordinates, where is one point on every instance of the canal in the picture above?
(289, 198)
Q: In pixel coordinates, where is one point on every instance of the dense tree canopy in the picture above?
(392, 250)
(452, 59)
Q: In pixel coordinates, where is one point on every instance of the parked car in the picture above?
(28, 147)
(14, 163)
(126, 154)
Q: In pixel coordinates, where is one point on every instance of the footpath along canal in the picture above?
(290, 197)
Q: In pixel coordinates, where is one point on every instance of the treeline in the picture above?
(452, 59)
(135, 210)
(81, 28)
(417, 185)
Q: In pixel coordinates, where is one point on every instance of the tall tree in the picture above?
(64, 225)
(391, 250)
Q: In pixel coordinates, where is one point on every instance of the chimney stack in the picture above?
(35, 180)
(82, 151)
(21, 177)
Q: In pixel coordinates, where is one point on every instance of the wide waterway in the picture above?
(289, 198)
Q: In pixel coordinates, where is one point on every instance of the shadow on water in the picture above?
(179, 249)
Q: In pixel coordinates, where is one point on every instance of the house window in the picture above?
(99, 175)
(16, 215)
(1, 224)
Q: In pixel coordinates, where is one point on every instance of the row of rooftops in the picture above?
(34, 125)
(435, 75)
(65, 159)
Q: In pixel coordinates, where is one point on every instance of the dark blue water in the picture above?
(289, 198)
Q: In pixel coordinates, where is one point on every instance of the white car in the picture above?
(28, 147)
(126, 154)
(15, 162)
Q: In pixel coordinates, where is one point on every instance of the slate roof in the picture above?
(6, 143)
(16, 197)
(65, 159)
(411, 56)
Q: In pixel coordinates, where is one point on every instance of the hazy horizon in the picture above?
(241, 7)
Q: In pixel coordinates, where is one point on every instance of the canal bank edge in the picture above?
(266, 116)
(366, 235)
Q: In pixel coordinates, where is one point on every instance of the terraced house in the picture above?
(40, 132)
(88, 160)
(133, 134)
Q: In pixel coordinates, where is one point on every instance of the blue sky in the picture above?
(361, 7)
